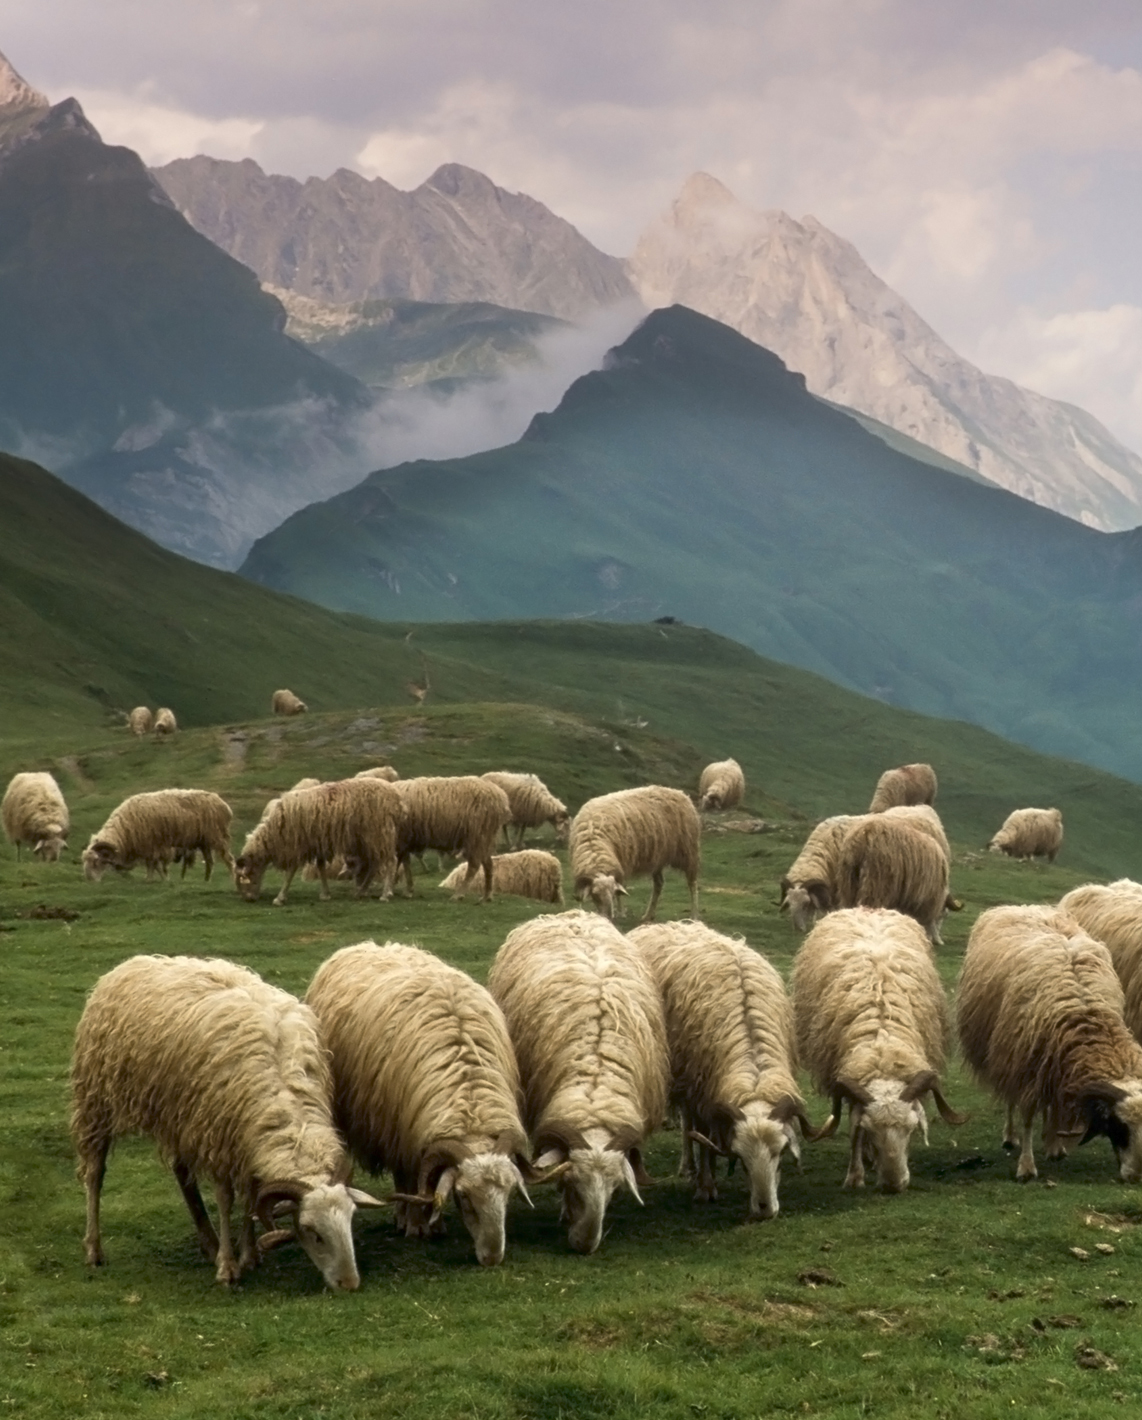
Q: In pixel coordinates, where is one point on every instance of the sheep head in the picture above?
(248, 874)
(883, 1117)
(98, 856)
(1116, 1112)
(590, 1174)
(604, 891)
(321, 1220)
(51, 845)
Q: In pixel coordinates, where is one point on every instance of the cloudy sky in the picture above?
(984, 155)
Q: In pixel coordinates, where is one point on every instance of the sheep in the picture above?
(33, 811)
(153, 828)
(526, 873)
(810, 885)
(309, 782)
(729, 1027)
(285, 702)
(1030, 833)
(910, 784)
(165, 722)
(425, 1083)
(354, 819)
(924, 819)
(585, 1017)
(1112, 915)
(230, 1078)
(462, 814)
(631, 833)
(884, 862)
(140, 721)
(532, 804)
(1041, 1024)
(721, 786)
(871, 1023)
(378, 771)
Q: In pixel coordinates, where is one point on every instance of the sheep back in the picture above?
(140, 721)
(721, 785)
(909, 784)
(886, 863)
(528, 873)
(1112, 915)
(33, 811)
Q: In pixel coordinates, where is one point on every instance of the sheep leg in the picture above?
(228, 858)
(207, 1237)
(933, 931)
(248, 1255)
(706, 1189)
(208, 863)
(323, 895)
(656, 893)
(1054, 1146)
(1010, 1138)
(855, 1176)
(279, 901)
(686, 1160)
(1025, 1170)
(227, 1269)
(94, 1169)
(472, 869)
(692, 884)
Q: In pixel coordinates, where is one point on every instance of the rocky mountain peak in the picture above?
(456, 180)
(16, 93)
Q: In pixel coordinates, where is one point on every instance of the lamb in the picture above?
(462, 815)
(871, 1023)
(526, 873)
(721, 786)
(378, 771)
(355, 819)
(910, 784)
(532, 804)
(1112, 915)
(230, 1078)
(585, 1017)
(154, 828)
(631, 833)
(1030, 833)
(165, 722)
(1041, 1024)
(33, 811)
(729, 1027)
(810, 885)
(140, 721)
(884, 862)
(285, 702)
(426, 1085)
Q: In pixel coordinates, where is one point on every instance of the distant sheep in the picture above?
(810, 885)
(910, 784)
(1030, 833)
(140, 721)
(872, 1029)
(1041, 1024)
(165, 722)
(379, 771)
(461, 814)
(532, 803)
(721, 786)
(154, 828)
(33, 811)
(1112, 915)
(230, 1078)
(629, 834)
(729, 1027)
(425, 1084)
(285, 702)
(585, 1017)
(884, 862)
(309, 782)
(527, 873)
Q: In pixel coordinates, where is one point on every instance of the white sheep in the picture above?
(909, 784)
(1112, 915)
(886, 862)
(462, 814)
(729, 1027)
(285, 702)
(629, 834)
(530, 872)
(230, 1078)
(426, 1085)
(585, 1017)
(378, 771)
(721, 786)
(33, 811)
(532, 804)
(872, 1030)
(140, 721)
(1030, 833)
(810, 885)
(154, 828)
(165, 722)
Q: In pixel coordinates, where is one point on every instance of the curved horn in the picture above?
(440, 1155)
(271, 1197)
(559, 1134)
(919, 1084)
(444, 1186)
(788, 1108)
(706, 1142)
(854, 1093)
(552, 1174)
(365, 1200)
(952, 1117)
(268, 1241)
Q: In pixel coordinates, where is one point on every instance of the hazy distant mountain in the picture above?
(806, 294)
(456, 238)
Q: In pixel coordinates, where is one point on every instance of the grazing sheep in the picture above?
(810, 885)
(1041, 1024)
(378, 771)
(872, 1030)
(165, 722)
(585, 1017)
(1112, 915)
(722, 785)
(285, 702)
(154, 828)
(910, 784)
(1030, 833)
(924, 819)
(33, 812)
(462, 815)
(140, 721)
(729, 1027)
(229, 1076)
(309, 782)
(425, 1084)
(527, 873)
(886, 863)
(354, 819)
(628, 834)
(532, 804)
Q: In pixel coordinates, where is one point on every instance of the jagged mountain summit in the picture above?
(808, 295)
(456, 238)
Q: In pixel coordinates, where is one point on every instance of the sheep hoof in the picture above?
(1026, 1175)
(228, 1272)
(706, 1195)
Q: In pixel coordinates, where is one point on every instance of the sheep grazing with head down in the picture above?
(425, 1084)
(810, 885)
(1030, 833)
(155, 828)
(872, 1029)
(140, 721)
(629, 834)
(527, 873)
(1112, 915)
(229, 1076)
(585, 1017)
(285, 702)
(721, 786)
(532, 804)
(885, 862)
(378, 771)
(909, 784)
(1041, 1024)
(165, 722)
(729, 1027)
(461, 814)
(33, 811)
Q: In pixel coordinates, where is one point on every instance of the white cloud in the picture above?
(159, 133)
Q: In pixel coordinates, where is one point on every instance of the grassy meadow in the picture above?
(961, 1298)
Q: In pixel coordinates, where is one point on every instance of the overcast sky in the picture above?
(983, 155)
